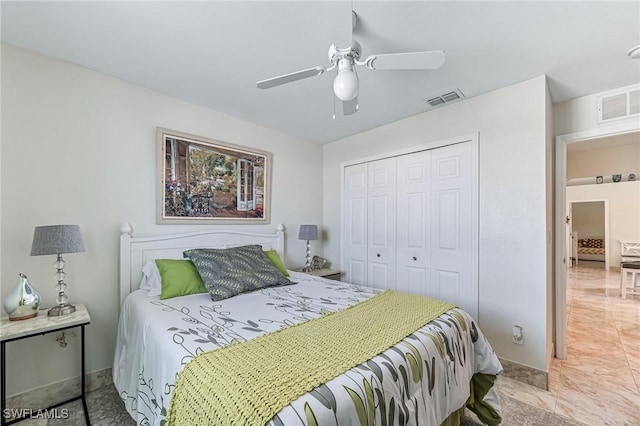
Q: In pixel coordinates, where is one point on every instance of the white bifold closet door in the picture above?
(408, 224)
(413, 223)
(354, 224)
(381, 223)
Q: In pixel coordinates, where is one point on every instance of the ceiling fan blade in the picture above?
(407, 61)
(288, 78)
(341, 22)
(350, 107)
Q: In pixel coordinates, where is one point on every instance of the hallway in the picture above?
(599, 382)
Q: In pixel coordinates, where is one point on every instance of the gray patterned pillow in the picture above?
(228, 272)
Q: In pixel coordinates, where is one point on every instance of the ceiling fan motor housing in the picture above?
(335, 53)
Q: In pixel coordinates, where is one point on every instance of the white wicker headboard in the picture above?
(136, 251)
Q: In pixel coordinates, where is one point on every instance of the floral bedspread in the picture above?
(419, 381)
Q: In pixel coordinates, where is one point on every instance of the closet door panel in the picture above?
(413, 217)
(447, 285)
(381, 223)
(354, 258)
(451, 227)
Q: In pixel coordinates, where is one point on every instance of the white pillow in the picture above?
(151, 280)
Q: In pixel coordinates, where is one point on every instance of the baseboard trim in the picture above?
(524, 373)
(48, 395)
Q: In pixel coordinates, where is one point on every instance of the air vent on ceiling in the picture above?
(446, 98)
(619, 104)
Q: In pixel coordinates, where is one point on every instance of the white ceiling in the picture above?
(213, 53)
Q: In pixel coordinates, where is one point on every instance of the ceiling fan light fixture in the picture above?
(345, 85)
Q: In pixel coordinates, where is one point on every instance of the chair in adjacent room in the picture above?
(629, 264)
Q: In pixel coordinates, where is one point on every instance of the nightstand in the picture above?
(42, 324)
(331, 274)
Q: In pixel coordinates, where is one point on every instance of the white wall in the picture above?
(624, 211)
(550, 215)
(80, 147)
(512, 198)
(581, 114)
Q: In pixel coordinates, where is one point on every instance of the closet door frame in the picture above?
(473, 138)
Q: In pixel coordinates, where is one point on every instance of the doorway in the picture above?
(561, 213)
(589, 232)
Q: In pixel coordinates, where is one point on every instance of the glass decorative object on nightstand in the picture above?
(23, 301)
(318, 263)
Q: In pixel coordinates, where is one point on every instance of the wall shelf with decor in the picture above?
(614, 178)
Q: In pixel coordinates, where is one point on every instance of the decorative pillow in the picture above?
(179, 278)
(228, 272)
(594, 243)
(273, 257)
(151, 280)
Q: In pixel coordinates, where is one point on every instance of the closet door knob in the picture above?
(378, 255)
(415, 258)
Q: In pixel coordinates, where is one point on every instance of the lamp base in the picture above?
(60, 310)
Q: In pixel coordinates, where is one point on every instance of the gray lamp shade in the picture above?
(308, 232)
(57, 239)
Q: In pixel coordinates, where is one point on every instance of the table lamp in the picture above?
(308, 232)
(58, 240)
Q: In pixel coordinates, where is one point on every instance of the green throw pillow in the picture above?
(272, 255)
(228, 272)
(179, 278)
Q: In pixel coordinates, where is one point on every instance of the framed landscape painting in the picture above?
(202, 180)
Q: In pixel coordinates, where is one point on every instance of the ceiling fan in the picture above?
(345, 84)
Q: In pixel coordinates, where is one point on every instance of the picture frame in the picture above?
(206, 181)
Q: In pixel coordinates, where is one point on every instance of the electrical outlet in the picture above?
(516, 335)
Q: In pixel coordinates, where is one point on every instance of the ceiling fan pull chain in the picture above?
(333, 98)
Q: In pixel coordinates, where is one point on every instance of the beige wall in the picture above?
(80, 147)
(624, 211)
(622, 159)
(588, 219)
(514, 170)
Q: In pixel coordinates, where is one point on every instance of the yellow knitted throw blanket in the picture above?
(247, 383)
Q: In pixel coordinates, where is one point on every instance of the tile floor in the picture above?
(599, 382)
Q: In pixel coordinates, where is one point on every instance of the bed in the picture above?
(591, 249)
(425, 378)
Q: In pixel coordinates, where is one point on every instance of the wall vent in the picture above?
(619, 104)
(445, 98)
